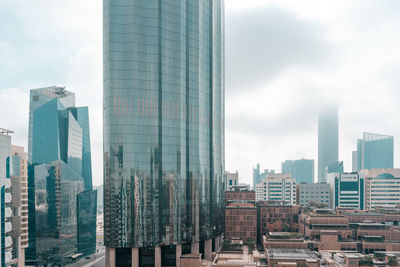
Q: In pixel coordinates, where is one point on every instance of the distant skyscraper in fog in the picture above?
(354, 160)
(258, 176)
(374, 151)
(302, 169)
(336, 167)
(328, 140)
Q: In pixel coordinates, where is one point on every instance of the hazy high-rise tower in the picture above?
(328, 140)
(163, 129)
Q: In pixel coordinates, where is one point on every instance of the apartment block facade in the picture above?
(17, 172)
(277, 187)
(382, 188)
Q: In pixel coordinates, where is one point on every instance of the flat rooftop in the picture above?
(363, 214)
(291, 254)
(5, 131)
(369, 224)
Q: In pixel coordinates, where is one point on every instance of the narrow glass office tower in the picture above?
(163, 129)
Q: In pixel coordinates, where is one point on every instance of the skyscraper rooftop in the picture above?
(5, 131)
(375, 136)
(53, 91)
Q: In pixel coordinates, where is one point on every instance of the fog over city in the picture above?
(285, 60)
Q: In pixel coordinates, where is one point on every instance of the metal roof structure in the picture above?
(5, 131)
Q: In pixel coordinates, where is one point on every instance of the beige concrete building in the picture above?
(277, 187)
(231, 179)
(19, 203)
(243, 258)
(382, 187)
(6, 255)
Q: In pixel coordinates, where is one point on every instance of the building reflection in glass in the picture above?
(60, 191)
(163, 122)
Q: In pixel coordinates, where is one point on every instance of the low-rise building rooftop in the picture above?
(291, 254)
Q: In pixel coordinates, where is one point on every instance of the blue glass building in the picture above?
(375, 151)
(302, 170)
(59, 174)
(86, 207)
(163, 129)
(328, 140)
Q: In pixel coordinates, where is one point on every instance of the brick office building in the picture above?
(274, 217)
(240, 215)
(357, 231)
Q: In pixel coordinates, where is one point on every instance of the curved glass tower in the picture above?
(163, 124)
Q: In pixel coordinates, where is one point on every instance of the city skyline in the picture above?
(134, 128)
(313, 72)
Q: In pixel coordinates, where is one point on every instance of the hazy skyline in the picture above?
(284, 61)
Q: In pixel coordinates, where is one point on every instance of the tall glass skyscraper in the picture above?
(328, 140)
(163, 129)
(59, 178)
(375, 151)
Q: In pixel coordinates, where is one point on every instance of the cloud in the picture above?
(292, 62)
(14, 114)
(263, 42)
(285, 59)
(52, 43)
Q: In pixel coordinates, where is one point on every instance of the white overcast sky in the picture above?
(284, 61)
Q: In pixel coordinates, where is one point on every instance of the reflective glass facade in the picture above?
(86, 207)
(59, 171)
(328, 140)
(163, 121)
(375, 151)
(56, 188)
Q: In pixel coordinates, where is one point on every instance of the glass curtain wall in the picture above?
(163, 121)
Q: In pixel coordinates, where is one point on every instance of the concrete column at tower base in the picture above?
(195, 248)
(217, 243)
(208, 249)
(110, 257)
(157, 256)
(178, 255)
(135, 257)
